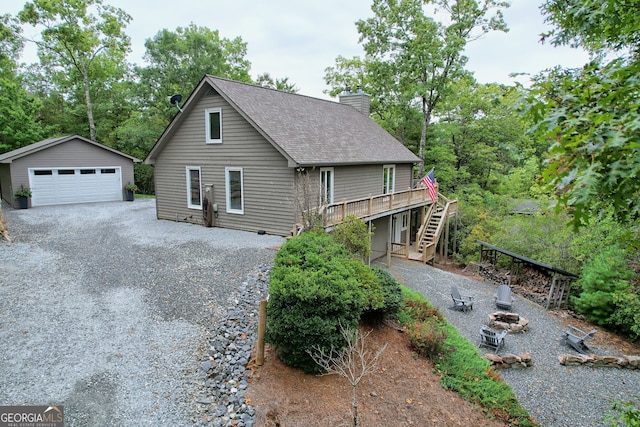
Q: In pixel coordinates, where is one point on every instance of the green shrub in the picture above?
(315, 286)
(627, 413)
(391, 298)
(420, 310)
(355, 236)
(604, 281)
(427, 337)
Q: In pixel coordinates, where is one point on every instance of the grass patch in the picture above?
(145, 196)
(461, 366)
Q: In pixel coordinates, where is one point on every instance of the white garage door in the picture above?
(57, 186)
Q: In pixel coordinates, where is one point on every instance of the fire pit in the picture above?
(512, 322)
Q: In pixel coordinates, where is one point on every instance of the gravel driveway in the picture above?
(107, 311)
(555, 395)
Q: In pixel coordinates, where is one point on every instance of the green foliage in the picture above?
(355, 236)
(392, 296)
(283, 84)
(485, 137)
(143, 175)
(74, 41)
(463, 370)
(427, 338)
(626, 317)
(19, 122)
(590, 114)
(316, 286)
(542, 236)
(604, 280)
(627, 413)
(23, 192)
(411, 59)
(593, 24)
(179, 59)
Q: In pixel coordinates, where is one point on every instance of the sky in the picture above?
(299, 39)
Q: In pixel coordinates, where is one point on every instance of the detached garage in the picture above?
(68, 169)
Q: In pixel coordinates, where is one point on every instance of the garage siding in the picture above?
(70, 154)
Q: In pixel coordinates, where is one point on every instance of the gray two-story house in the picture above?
(250, 158)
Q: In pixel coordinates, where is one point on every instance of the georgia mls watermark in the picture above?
(31, 416)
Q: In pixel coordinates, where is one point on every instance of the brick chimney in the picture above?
(359, 100)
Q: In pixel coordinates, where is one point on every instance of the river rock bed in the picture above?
(230, 347)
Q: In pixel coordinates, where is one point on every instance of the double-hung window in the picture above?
(234, 189)
(388, 177)
(194, 189)
(213, 123)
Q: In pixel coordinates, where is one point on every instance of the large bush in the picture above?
(604, 284)
(392, 298)
(354, 235)
(316, 286)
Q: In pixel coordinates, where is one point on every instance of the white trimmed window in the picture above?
(194, 189)
(234, 189)
(213, 122)
(389, 178)
(326, 186)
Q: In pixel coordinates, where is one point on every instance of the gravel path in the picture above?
(556, 395)
(108, 311)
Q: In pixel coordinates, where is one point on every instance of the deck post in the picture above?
(370, 204)
(344, 208)
(389, 237)
(407, 232)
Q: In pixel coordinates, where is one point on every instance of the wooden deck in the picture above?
(373, 207)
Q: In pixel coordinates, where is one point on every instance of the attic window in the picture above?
(213, 119)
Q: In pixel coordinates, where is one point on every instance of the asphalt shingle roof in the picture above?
(50, 142)
(309, 131)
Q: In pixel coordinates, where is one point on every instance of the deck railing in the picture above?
(335, 213)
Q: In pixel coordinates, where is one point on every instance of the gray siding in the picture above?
(268, 181)
(380, 238)
(70, 154)
(359, 181)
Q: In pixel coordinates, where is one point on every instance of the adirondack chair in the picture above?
(459, 302)
(576, 338)
(492, 339)
(503, 297)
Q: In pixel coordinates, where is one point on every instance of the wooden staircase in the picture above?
(432, 225)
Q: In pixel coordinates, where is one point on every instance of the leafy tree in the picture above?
(265, 80)
(19, 121)
(590, 114)
(417, 57)
(73, 40)
(19, 125)
(179, 59)
(479, 137)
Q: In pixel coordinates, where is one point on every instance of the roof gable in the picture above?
(307, 131)
(51, 142)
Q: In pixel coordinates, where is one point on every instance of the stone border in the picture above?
(593, 360)
(516, 324)
(509, 361)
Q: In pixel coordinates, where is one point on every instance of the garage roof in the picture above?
(48, 143)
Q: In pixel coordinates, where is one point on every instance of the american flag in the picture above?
(429, 181)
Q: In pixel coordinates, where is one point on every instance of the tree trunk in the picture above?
(87, 95)
(355, 407)
(426, 120)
